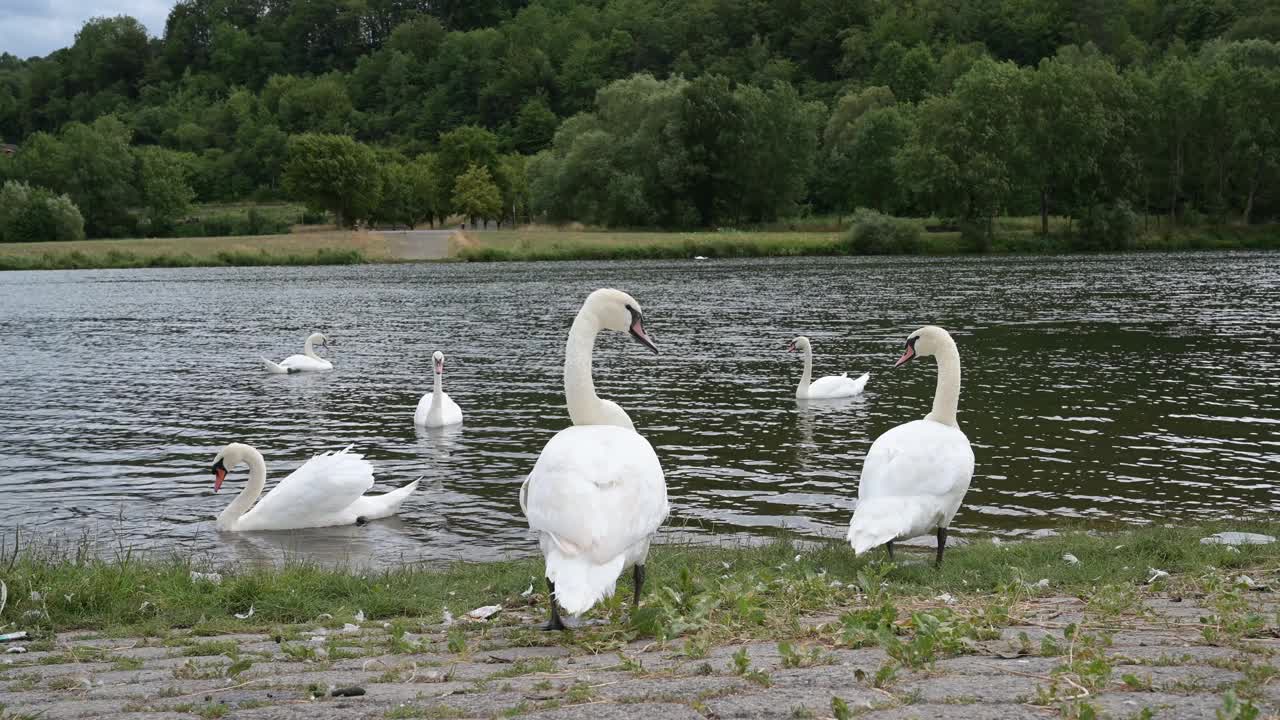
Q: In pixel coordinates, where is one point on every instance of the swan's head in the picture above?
(618, 311)
(319, 339)
(926, 341)
(438, 358)
(231, 456)
(800, 344)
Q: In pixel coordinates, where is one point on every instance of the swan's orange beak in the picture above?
(908, 355)
(637, 332)
(219, 474)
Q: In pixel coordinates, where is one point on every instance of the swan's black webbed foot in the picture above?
(362, 520)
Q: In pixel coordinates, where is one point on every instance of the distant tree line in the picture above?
(659, 113)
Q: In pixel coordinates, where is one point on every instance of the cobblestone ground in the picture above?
(1159, 660)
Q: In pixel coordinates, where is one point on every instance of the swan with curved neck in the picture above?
(831, 386)
(916, 475)
(327, 490)
(308, 361)
(597, 493)
(603, 310)
(436, 408)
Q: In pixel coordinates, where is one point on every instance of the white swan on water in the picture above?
(436, 408)
(308, 361)
(916, 474)
(831, 386)
(597, 493)
(327, 490)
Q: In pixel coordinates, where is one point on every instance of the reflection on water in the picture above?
(1124, 389)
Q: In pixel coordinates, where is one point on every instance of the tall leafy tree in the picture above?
(334, 173)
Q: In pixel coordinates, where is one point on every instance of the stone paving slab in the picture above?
(1171, 668)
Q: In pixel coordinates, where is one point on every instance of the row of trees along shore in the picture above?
(658, 113)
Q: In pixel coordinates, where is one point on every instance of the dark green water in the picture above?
(1128, 389)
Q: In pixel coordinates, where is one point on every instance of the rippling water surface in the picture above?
(1122, 389)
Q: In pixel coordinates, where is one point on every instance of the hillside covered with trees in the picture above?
(660, 113)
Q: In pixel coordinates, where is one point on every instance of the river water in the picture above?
(1114, 389)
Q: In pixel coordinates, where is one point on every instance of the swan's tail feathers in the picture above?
(861, 382)
(581, 583)
(276, 368)
(876, 521)
(389, 504)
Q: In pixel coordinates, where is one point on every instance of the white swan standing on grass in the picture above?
(916, 474)
(831, 386)
(597, 494)
(308, 361)
(327, 490)
(436, 408)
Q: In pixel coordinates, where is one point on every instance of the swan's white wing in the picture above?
(452, 413)
(324, 485)
(913, 480)
(302, 363)
(598, 490)
(833, 386)
(921, 458)
(424, 407)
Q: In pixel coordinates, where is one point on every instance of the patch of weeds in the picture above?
(299, 652)
(64, 682)
(191, 670)
(250, 704)
(937, 634)
(200, 649)
(1133, 682)
(742, 667)
(526, 667)
(22, 683)
(542, 685)
(1145, 713)
(860, 628)
(239, 666)
(792, 658)
(1114, 601)
(1235, 709)
(1256, 676)
(168, 692)
(697, 646)
(840, 709)
(121, 662)
(212, 710)
(437, 712)
(801, 712)
(1232, 618)
(580, 692)
(1078, 710)
(457, 641)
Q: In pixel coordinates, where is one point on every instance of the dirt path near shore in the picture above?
(1055, 659)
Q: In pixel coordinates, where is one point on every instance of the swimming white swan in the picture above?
(916, 474)
(436, 408)
(327, 490)
(597, 494)
(831, 386)
(308, 361)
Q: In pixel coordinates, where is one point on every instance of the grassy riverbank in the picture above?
(752, 590)
(1012, 236)
(323, 247)
(333, 247)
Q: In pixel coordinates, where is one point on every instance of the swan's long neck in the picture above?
(249, 495)
(579, 387)
(309, 349)
(437, 399)
(806, 377)
(946, 397)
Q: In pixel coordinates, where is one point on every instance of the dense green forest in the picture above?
(669, 113)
